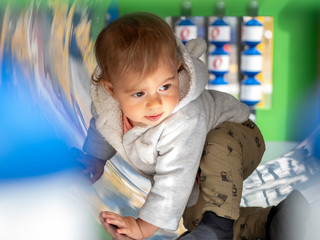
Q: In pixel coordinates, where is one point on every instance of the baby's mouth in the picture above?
(154, 117)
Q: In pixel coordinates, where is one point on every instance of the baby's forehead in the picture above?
(136, 80)
(141, 68)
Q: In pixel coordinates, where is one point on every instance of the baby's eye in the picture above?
(138, 94)
(165, 87)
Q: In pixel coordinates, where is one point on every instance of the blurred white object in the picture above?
(41, 208)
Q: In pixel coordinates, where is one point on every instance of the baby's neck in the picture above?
(127, 125)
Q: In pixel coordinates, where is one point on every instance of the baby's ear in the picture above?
(108, 85)
(196, 47)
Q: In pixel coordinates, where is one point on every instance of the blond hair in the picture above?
(136, 43)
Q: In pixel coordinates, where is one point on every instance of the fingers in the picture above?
(109, 215)
(75, 151)
(112, 230)
(96, 176)
(105, 214)
(80, 156)
(120, 228)
(98, 173)
(114, 219)
(87, 163)
(89, 167)
(84, 159)
(124, 231)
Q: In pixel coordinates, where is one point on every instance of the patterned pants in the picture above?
(231, 153)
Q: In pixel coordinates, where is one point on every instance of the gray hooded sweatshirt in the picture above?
(169, 153)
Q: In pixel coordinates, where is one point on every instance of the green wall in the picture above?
(294, 112)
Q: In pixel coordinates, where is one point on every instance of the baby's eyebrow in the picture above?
(135, 89)
(131, 90)
(169, 79)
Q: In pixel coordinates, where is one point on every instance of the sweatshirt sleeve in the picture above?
(226, 108)
(179, 153)
(95, 144)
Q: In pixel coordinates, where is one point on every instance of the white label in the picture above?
(219, 33)
(250, 93)
(218, 63)
(252, 33)
(219, 87)
(186, 33)
(251, 63)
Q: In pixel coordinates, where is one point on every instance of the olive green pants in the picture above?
(231, 153)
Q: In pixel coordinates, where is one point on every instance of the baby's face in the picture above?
(149, 100)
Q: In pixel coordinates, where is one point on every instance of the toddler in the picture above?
(150, 105)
